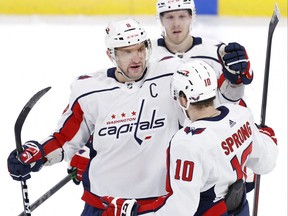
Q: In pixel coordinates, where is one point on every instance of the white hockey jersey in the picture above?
(206, 50)
(132, 124)
(208, 156)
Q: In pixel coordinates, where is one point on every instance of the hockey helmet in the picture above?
(196, 79)
(170, 5)
(125, 32)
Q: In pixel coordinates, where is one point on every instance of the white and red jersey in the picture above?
(132, 124)
(204, 49)
(208, 156)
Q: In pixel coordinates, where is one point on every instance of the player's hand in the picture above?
(121, 207)
(78, 165)
(268, 131)
(30, 160)
(236, 64)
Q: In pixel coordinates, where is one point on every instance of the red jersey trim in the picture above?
(67, 132)
(218, 209)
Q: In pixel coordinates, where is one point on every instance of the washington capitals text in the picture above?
(140, 124)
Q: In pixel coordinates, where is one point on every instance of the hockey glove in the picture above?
(78, 165)
(30, 160)
(121, 207)
(268, 131)
(235, 63)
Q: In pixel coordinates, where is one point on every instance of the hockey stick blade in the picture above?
(273, 23)
(48, 194)
(17, 132)
(23, 115)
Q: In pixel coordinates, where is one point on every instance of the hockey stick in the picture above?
(48, 194)
(17, 132)
(273, 23)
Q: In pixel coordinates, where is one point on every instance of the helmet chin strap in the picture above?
(122, 73)
(119, 71)
(185, 108)
(185, 111)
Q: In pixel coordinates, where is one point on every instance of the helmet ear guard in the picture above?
(196, 79)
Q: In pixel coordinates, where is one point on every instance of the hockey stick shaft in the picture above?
(17, 132)
(273, 23)
(48, 194)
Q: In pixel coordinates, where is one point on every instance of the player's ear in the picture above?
(109, 54)
(182, 99)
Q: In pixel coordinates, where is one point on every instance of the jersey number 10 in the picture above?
(187, 170)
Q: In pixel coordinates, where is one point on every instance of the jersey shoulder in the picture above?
(236, 109)
(210, 41)
(168, 65)
(92, 82)
(192, 134)
(159, 50)
(203, 48)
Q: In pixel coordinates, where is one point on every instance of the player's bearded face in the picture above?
(177, 25)
(132, 60)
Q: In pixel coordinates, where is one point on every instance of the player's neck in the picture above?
(185, 45)
(195, 113)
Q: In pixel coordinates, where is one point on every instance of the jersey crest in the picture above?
(193, 131)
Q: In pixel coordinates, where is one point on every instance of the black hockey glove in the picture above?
(30, 160)
(235, 63)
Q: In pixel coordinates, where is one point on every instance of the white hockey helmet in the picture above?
(196, 79)
(125, 32)
(170, 5)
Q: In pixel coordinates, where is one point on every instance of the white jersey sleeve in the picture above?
(262, 159)
(73, 128)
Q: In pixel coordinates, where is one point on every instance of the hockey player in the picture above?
(230, 62)
(129, 111)
(233, 71)
(206, 159)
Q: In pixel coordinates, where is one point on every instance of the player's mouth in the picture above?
(135, 66)
(177, 32)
